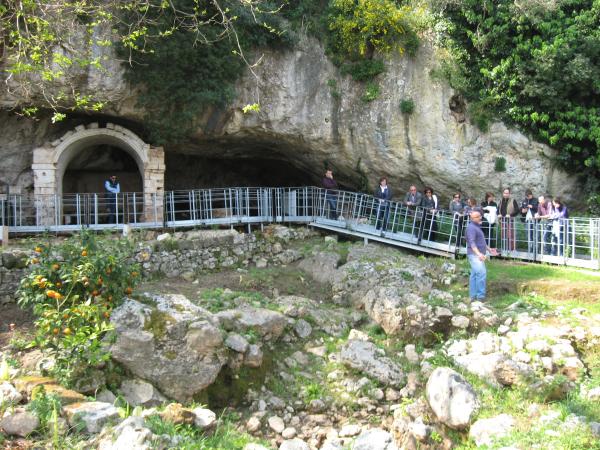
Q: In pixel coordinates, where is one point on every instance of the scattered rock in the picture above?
(253, 356)
(365, 356)
(237, 343)
(451, 398)
(253, 424)
(92, 415)
(484, 431)
(411, 354)
(374, 439)
(302, 328)
(9, 395)
(294, 444)
(265, 322)
(461, 322)
(289, 433)
(350, 430)
(20, 423)
(141, 393)
(205, 418)
(131, 434)
(176, 414)
(276, 424)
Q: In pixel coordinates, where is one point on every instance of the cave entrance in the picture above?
(80, 162)
(91, 167)
(252, 169)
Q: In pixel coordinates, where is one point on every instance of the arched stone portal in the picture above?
(52, 160)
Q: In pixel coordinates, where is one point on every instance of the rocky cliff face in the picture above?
(303, 123)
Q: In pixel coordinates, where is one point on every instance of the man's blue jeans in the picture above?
(477, 278)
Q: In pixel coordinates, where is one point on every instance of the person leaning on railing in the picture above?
(429, 202)
(490, 216)
(384, 194)
(529, 207)
(542, 216)
(457, 207)
(559, 226)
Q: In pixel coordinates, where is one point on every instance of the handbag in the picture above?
(529, 215)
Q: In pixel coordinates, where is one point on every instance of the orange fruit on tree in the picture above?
(65, 316)
(95, 293)
(58, 284)
(34, 260)
(67, 331)
(55, 331)
(55, 266)
(128, 290)
(106, 314)
(84, 253)
(134, 274)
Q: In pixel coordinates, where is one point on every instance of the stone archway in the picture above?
(51, 160)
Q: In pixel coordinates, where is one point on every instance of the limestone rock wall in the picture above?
(301, 122)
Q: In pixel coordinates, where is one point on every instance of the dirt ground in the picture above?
(21, 320)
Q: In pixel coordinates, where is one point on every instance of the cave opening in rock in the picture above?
(185, 171)
(92, 165)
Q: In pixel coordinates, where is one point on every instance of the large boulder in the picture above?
(322, 266)
(452, 399)
(367, 358)
(169, 342)
(403, 313)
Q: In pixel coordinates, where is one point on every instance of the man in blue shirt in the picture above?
(112, 188)
(476, 251)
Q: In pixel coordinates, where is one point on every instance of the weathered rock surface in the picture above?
(367, 358)
(131, 434)
(92, 415)
(268, 324)
(451, 398)
(141, 393)
(174, 345)
(484, 431)
(20, 423)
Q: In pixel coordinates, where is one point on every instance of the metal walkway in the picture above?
(574, 241)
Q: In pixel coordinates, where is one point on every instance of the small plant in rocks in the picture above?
(72, 288)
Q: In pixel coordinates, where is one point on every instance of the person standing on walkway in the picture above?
(413, 197)
(542, 216)
(476, 254)
(429, 203)
(529, 208)
(490, 214)
(112, 189)
(384, 194)
(457, 208)
(507, 212)
(330, 186)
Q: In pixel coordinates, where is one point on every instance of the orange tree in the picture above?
(72, 288)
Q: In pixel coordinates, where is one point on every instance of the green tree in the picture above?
(360, 27)
(536, 63)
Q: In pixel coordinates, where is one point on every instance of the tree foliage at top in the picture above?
(179, 79)
(48, 46)
(537, 64)
(360, 27)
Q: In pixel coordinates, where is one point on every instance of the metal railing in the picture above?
(574, 241)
